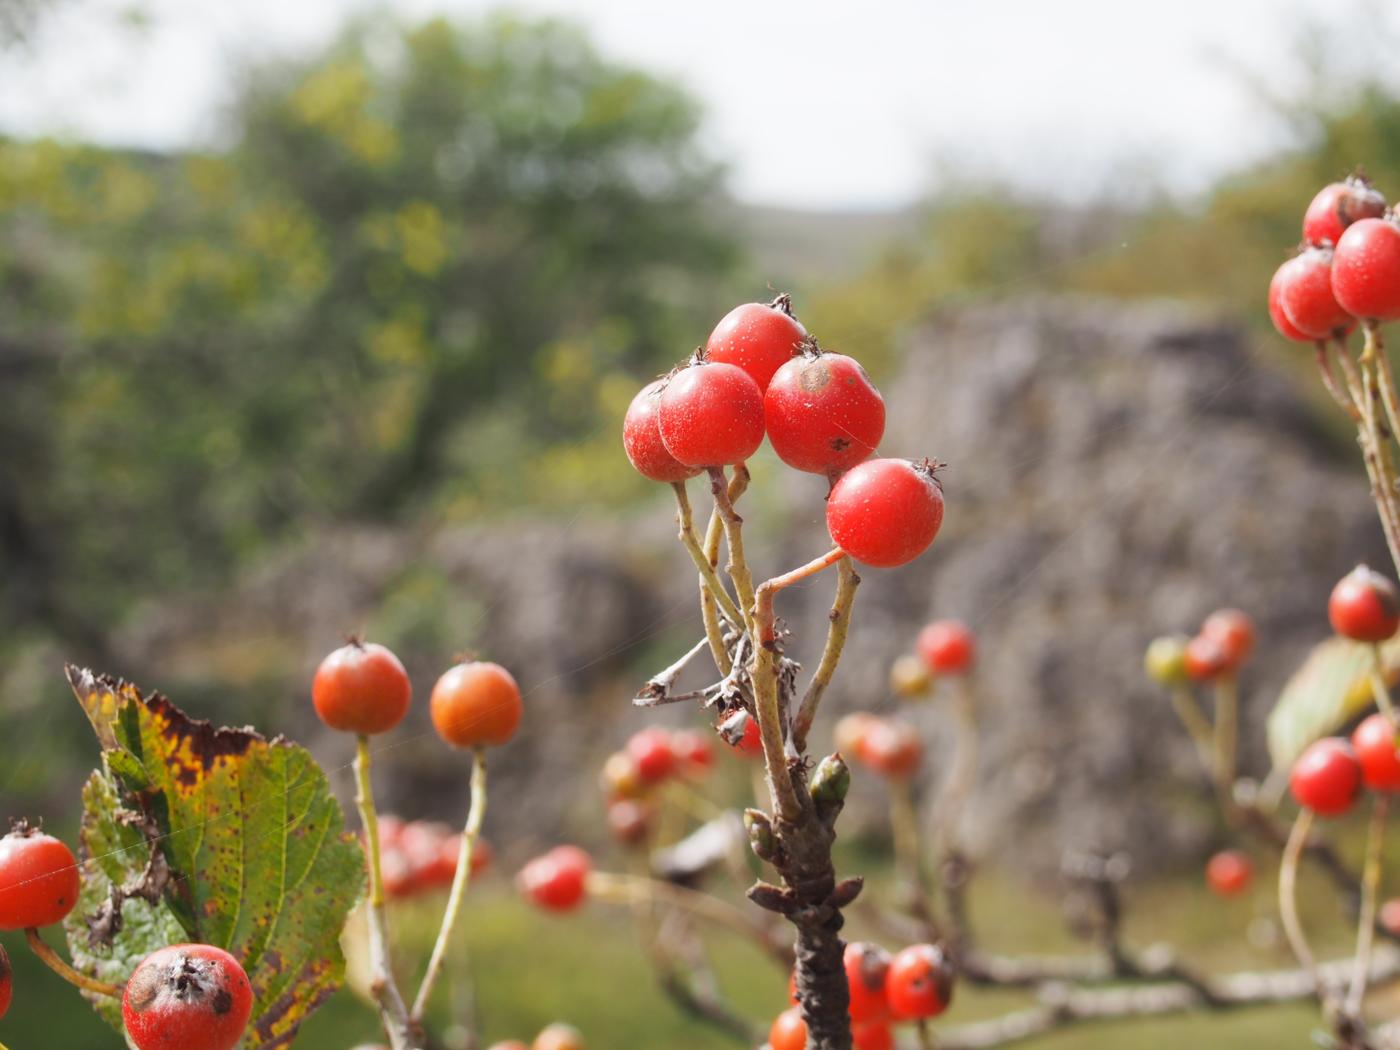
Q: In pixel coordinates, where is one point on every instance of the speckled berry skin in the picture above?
(361, 688)
(1364, 606)
(641, 439)
(1339, 205)
(476, 704)
(885, 512)
(711, 415)
(1366, 270)
(823, 413)
(757, 337)
(1282, 324)
(1307, 297)
(187, 997)
(39, 880)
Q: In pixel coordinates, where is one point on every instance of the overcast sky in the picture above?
(825, 104)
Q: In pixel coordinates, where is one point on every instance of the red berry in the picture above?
(397, 873)
(1234, 630)
(695, 751)
(1338, 206)
(187, 997)
(641, 438)
(947, 646)
(509, 1044)
(920, 982)
(1364, 606)
(867, 966)
(789, 1031)
(620, 778)
(1305, 293)
(823, 414)
(1327, 777)
(1366, 270)
(875, 1036)
(559, 1037)
(629, 821)
(1206, 658)
(557, 880)
(651, 750)
(751, 743)
(475, 704)
(1286, 328)
(1390, 917)
(891, 748)
(756, 337)
(7, 988)
(711, 415)
(361, 688)
(1374, 742)
(1229, 873)
(38, 879)
(851, 730)
(885, 512)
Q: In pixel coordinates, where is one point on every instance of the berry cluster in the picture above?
(631, 777)
(419, 857)
(944, 648)
(760, 373)
(1347, 270)
(1218, 651)
(915, 984)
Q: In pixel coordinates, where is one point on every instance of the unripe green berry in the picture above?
(1165, 660)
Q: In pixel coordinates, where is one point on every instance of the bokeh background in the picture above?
(322, 317)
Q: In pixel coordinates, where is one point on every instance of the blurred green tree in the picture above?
(422, 279)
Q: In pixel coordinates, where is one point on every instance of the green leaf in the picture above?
(1330, 689)
(259, 860)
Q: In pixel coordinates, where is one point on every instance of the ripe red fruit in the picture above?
(7, 988)
(1206, 658)
(1390, 917)
(1338, 206)
(1285, 327)
(629, 821)
(475, 704)
(1366, 270)
(694, 750)
(509, 1044)
(559, 1037)
(1229, 873)
(711, 415)
(789, 1031)
(557, 880)
(1234, 630)
(851, 730)
(751, 743)
(641, 438)
(823, 413)
(650, 750)
(891, 748)
(947, 646)
(1364, 606)
(1375, 744)
(38, 879)
(187, 997)
(867, 966)
(876, 1036)
(758, 338)
(1305, 292)
(361, 688)
(885, 512)
(920, 982)
(1327, 777)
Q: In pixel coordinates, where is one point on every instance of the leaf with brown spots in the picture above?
(259, 861)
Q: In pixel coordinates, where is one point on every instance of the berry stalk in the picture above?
(709, 608)
(840, 619)
(1288, 902)
(1227, 714)
(962, 777)
(476, 813)
(738, 567)
(709, 579)
(81, 981)
(1370, 886)
(392, 1010)
(1329, 381)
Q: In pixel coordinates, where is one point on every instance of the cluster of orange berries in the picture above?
(915, 984)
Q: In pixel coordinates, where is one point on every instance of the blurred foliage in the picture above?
(420, 280)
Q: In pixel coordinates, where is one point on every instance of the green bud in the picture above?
(1166, 660)
(830, 781)
(761, 837)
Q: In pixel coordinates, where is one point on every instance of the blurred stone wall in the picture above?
(1115, 472)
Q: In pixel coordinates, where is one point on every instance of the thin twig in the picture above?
(1288, 901)
(709, 610)
(708, 577)
(392, 1011)
(1329, 380)
(78, 980)
(1379, 689)
(738, 566)
(658, 687)
(1227, 706)
(1370, 887)
(840, 623)
(476, 813)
